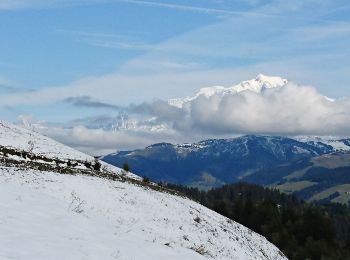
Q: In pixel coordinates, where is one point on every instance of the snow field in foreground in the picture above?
(46, 215)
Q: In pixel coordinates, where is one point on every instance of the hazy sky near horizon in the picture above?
(115, 53)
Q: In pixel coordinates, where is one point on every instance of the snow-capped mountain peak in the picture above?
(258, 84)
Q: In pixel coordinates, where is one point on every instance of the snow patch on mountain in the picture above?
(337, 143)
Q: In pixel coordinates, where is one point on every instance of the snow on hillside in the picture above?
(19, 138)
(46, 215)
(257, 84)
(50, 215)
(42, 150)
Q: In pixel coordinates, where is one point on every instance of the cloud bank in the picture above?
(291, 110)
(99, 142)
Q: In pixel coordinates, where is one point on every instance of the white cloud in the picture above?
(290, 110)
(100, 142)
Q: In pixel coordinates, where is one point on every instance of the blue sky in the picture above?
(123, 52)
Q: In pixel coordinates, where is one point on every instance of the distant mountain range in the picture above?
(266, 160)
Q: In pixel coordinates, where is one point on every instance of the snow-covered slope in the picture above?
(46, 215)
(23, 139)
(336, 143)
(50, 215)
(20, 146)
(257, 85)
